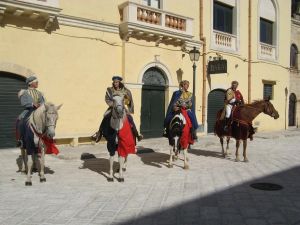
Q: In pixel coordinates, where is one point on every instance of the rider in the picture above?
(118, 88)
(181, 98)
(30, 99)
(232, 97)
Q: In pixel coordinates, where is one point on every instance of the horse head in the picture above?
(118, 107)
(51, 116)
(177, 124)
(269, 109)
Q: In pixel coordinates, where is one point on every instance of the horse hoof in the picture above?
(42, 180)
(186, 167)
(110, 179)
(121, 179)
(224, 155)
(28, 183)
(124, 169)
(170, 166)
(237, 160)
(246, 160)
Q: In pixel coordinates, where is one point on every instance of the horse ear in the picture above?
(268, 98)
(58, 107)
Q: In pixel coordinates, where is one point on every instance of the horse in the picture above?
(241, 126)
(38, 137)
(179, 129)
(116, 129)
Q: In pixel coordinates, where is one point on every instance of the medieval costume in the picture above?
(30, 99)
(181, 99)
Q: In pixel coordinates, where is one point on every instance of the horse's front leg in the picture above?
(111, 171)
(121, 162)
(171, 157)
(29, 168)
(24, 160)
(237, 158)
(125, 164)
(42, 163)
(222, 145)
(227, 145)
(185, 154)
(244, 150)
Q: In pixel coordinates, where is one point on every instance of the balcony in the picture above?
(143, 22)
(30, 13)
(224, 41)
(267, 52)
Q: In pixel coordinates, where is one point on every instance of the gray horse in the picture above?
(42, 123)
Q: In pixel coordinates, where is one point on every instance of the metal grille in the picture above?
(10, 107)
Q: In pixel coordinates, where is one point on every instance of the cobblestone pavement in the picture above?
(214, 191)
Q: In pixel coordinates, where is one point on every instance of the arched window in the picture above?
(294, 57)
(268, 22)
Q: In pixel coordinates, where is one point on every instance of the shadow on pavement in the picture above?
(98, 165)
(237, 205)
(156, 159)
(201, 152)
(34, 168)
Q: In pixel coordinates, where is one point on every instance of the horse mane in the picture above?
(253, 103)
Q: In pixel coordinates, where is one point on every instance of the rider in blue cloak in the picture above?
(180, 98)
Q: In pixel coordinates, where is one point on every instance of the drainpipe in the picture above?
(249, 50)
(203, 39)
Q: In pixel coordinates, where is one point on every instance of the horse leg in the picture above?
(125, 164)
(227, 145)
(121, 162)
(244, 150)
(185, 153)
(222, 142)
(29, 168)
(171, 157)
(24, 160)
(237, 158)
(42, 164)
(111, 172)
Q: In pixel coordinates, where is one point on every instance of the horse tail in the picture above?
(218, 128)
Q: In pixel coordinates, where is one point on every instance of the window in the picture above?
(223, 17)
(294, 57)
(266, 31)
(153, 3)
(268, 91)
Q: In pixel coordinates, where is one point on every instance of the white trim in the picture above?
(159, 65)
(73, 21)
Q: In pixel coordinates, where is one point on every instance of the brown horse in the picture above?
(241, 126)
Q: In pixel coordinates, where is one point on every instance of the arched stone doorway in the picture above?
(153, 103)
(292, 109)
(215, 102)
(10, 106)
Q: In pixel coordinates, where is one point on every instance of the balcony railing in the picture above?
(136, 18)
(224, 41)
(267, 51)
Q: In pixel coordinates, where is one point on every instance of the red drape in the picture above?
(186, 137)
(126, 143)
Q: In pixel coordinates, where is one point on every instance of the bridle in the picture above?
(47, 124)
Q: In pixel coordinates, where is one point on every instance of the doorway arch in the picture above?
(10, 108)
(292, 109)
(153, 102)
(215, 102)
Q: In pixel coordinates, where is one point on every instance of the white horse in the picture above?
(175, 129)
(110, 129)
(42, 123)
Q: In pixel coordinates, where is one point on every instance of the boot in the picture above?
(97, 136)
(226, 124)
(194, 134)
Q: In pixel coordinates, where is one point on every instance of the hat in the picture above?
(31, 79)
(117, 78)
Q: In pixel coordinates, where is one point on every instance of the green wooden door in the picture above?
(215, 102)
(10, 107)
(153, 103)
